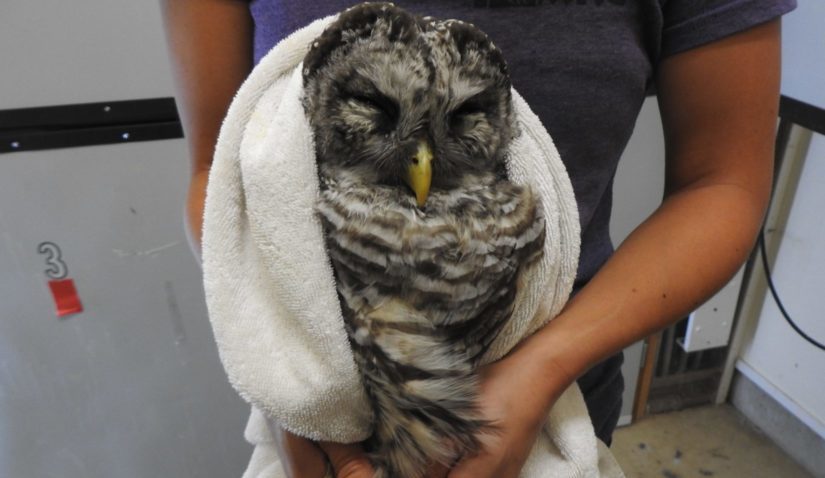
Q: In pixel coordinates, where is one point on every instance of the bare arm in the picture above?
(719, 105)
(211, 48)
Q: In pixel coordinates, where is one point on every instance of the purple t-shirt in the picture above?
(584, 67)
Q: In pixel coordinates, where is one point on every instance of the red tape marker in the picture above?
(66, 300)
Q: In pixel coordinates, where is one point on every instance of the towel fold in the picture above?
(270, 289)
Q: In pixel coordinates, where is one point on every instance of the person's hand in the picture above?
(300, 458)
(516, 394)
(303, 458)
(348, 460)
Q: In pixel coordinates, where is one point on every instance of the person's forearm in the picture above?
(719, 105)
(211, 47)
(688, 249)
(195, 201)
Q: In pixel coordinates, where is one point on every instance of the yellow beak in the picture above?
(420, 173)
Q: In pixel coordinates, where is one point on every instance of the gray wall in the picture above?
(58, 51)
(774, 356)
(132, 386)
(803, 44)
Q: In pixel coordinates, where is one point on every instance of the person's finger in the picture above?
(437, 470)
(300, 457)
(482, 465)
(348, 460)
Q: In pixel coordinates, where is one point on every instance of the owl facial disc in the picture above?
(420, 173)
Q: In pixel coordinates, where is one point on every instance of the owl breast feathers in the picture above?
(428, 239)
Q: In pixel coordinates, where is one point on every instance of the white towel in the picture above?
(270, 289)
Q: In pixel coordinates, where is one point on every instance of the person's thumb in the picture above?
(348, 460)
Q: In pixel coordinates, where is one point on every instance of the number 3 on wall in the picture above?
(66, 300)
(57, 268)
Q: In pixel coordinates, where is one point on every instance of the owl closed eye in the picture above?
(377, 96)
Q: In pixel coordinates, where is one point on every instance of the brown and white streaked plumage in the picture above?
(412, 118)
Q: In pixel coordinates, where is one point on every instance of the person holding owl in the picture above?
(585, 69)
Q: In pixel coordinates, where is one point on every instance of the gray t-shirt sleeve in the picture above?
(691, 23)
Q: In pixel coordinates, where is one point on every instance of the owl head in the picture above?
(404, 101)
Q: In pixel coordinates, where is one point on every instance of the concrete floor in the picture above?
(701, 442)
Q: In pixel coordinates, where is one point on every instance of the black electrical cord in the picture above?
(776, 295)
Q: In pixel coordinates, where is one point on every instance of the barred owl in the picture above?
(412, 118)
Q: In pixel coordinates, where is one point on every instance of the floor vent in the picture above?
(684, 379)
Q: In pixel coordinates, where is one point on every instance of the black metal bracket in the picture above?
(803, 114)
(88, 124)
